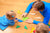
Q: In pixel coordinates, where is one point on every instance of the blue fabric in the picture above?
(45, 13)
(2, 27)
(49, 26)
(36, 22)
(11, 22)
(4, 22)
(29, 7)
(19, 20)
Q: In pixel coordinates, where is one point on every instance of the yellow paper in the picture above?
(32, 30)
(19, 12)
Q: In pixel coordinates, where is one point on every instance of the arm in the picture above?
(36, 22)
(29, 7)
(11, 23)
(46, 19)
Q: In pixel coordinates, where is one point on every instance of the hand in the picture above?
(15, 20)
(29, 21)
(24, 14)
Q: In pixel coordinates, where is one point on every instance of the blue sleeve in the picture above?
(46, 19)
(29, 7)
(11, 23)
(36, 22)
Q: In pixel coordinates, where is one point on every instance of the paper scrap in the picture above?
(25, 18)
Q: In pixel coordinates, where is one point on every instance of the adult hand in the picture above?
(24, 14)
(29, 20)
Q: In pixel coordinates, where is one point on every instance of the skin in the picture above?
(29, 20)
(11, 13)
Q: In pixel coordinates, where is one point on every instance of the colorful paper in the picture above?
(19, 20)
(32, 30)
(19, 12)
(25, 27)
(17, 26)
(25, 18)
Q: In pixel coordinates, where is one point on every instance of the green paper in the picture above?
(17, 26)
(25, 32)
(25, 27)
(48, 25)
(25, 18)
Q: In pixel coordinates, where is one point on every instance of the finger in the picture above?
(22, 15)
(25, 15)
(26, 21)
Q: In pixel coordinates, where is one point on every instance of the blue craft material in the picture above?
(19, 20)
(36, 22)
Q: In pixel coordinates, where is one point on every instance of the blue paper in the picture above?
(36, 22)
(19, 20)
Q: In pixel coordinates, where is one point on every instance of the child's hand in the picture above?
(24, 14)
(15, 20)
(29, 21)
